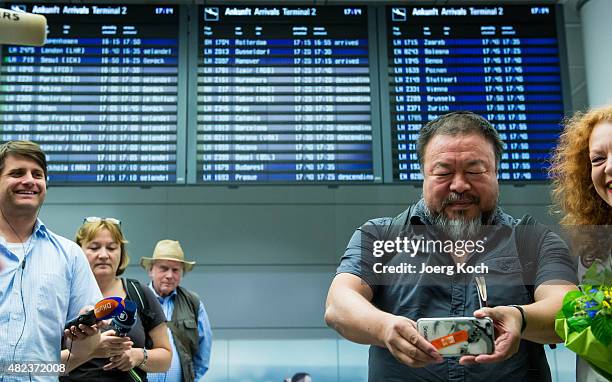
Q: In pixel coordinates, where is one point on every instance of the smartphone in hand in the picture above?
(458, 336)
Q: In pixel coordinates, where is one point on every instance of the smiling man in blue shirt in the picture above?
(45, 279)
(188, 324)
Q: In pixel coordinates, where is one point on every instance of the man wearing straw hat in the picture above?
(188, 324)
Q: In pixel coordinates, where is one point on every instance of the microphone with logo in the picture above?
(21, 28)
(123, 322)
(106, 308)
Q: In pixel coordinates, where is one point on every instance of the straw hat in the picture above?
(167, 250)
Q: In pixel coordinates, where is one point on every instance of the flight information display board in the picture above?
(100, 96)
(501, 62)
(283, 95)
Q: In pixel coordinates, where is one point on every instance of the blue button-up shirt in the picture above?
(201, 360)
(41, 287)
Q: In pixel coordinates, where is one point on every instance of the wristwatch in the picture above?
(145, 357)
(523, 320)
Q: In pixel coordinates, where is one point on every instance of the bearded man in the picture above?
(382, 287)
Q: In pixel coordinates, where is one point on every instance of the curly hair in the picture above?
(573, 190)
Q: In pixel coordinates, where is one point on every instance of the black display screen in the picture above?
(284, 95)
(501, 62)
(100, 96)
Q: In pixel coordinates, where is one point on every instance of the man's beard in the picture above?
(463, 227)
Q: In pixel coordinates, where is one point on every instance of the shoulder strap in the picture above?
(135, 292)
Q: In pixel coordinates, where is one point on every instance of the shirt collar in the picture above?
(418, 215)
(40, 229)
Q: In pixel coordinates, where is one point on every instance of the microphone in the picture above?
(123, 322)
(104, 309)
(21, 28)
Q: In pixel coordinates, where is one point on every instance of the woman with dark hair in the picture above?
(582, 188)
(104, 245)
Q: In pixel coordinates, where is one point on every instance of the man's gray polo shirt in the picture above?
(416, 295)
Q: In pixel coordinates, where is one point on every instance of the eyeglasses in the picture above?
(96, 219)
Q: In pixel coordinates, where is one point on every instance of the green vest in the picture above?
(184, 329)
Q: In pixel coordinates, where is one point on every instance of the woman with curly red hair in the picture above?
(582, 188)
(582, 176)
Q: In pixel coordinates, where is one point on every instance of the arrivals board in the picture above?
(501, 62)
(284, 95)
(100, 96)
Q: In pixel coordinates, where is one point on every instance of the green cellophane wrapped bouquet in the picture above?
(585, 320)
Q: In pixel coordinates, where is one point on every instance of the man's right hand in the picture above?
(110, 345)
(84, 340)
(403, 340)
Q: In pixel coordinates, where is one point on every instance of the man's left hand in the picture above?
(507, 322)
